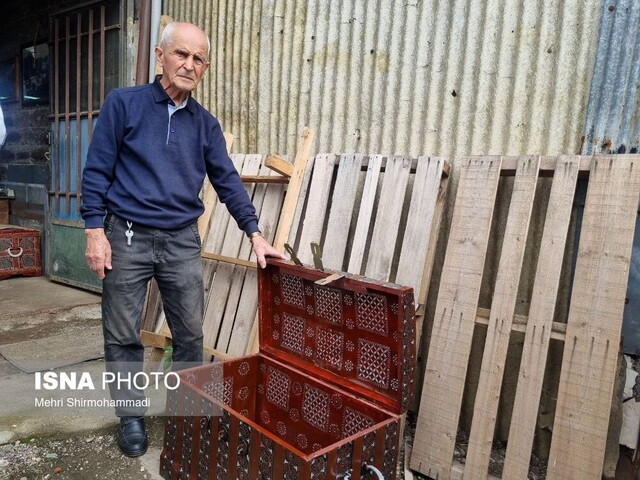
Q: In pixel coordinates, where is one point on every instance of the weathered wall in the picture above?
(23, 23)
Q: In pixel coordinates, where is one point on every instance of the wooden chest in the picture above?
(19, 252)
(323, 397)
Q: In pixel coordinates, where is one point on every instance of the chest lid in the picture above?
(354, 332)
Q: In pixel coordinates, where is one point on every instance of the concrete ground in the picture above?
(41, 443)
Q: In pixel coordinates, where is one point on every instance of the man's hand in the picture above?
(262, 249)
(98, 253)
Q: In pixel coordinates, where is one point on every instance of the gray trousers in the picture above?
(173, 259)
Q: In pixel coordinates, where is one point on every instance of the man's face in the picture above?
(183, 60)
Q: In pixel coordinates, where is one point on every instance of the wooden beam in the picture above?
(263, 179)
(158, 340)
(219, 355)
(547, 165)
(279, 164)
(558, 330)
(226, 259)
(153, 339)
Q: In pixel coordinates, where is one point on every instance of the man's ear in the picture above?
(159, 56)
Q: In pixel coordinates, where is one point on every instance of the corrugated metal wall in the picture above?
(409, 77)
(612, 122)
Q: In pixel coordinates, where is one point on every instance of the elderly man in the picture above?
(150, 152)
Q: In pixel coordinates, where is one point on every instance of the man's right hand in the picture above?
(98, 253)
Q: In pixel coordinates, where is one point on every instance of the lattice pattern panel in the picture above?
(374, 362)
(354, 421)
(315, 407)
(371, 313)
(293, 333)
(329, 347)
(292, 290)
(278, 388)
(328, 303)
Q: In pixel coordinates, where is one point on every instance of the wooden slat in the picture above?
(279, 165)
(420, 222)
(595, 320)
(502, 309)
(290, 211)
(385, 231)
(539, 325)
(548, 165)
(360, 238)
(237, 279)
(152, 339)
(209, 197)
(519, 324)
(247, 306)
(341, 213)
(317, 202)
(423, 291)
(263, 179)
(220, 286)
(454, 319)
(226, 259)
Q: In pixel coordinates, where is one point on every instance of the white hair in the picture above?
(167, 36)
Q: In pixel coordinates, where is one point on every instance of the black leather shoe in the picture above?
(132, 437)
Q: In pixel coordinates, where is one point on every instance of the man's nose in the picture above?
(188, 63)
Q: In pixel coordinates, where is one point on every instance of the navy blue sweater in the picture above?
(150, 172)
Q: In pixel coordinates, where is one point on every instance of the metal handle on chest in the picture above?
(14, 255)
(365, 468)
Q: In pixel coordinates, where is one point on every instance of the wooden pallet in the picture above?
(229, 263)
(591, 335)
(372, 215)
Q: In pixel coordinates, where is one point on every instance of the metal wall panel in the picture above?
(613, 118)
(450, 77)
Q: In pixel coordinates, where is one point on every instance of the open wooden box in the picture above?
(322, 399)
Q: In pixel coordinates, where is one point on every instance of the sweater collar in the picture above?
(160, 96)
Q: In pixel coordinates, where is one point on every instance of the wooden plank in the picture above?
(503, 307)
(209, 197)
(342, 205)
(233, 260)
(279, 164)
(290, 211)
(220, 286)
(317, 201)
(519, 324)
(595, 319)
(263, 179)
(153, 339)
(454, 319)
(237, 282)
(540, 325)
(248, 304)
(361, 235)
(548, 165)
(420, 222)
(387, 222)
(423, 291)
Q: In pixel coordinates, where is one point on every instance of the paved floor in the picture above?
(34, 308)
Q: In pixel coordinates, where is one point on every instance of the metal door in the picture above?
(86, 47)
